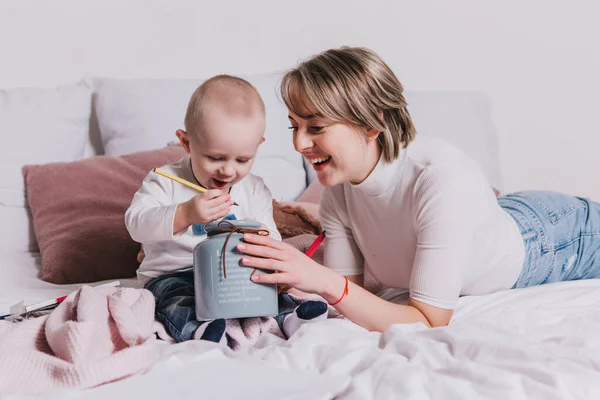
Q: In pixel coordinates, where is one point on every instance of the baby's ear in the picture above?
(183, 139)
(262, 140)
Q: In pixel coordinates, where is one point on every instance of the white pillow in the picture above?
(143, 114)
(16, 231)
(37, 126)
(461, 118)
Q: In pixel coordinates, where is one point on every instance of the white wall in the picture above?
(538, 59)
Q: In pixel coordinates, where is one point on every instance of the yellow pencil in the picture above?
(184, 182)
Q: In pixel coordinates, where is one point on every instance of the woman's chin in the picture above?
(327, 180)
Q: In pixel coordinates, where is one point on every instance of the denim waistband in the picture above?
(519, 212)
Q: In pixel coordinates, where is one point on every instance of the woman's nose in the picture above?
(302, 140)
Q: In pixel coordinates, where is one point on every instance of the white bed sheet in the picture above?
(20, 281)
(535, 343)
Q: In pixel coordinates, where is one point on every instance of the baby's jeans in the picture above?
(176, 304)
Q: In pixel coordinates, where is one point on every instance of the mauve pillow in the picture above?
(78, 213)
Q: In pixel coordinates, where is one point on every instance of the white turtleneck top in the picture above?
(428, 222)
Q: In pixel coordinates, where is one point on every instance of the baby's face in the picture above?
(223, 152)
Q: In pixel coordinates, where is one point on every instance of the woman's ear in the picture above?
(372, 133)
(183, 139)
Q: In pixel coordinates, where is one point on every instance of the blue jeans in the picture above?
(176, 304)
(561, 234)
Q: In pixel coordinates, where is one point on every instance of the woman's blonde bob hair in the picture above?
(352, 85)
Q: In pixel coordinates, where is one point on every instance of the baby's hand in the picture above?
(208, 206)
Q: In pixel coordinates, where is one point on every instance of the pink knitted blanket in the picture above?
(96, 335)
(99, 335)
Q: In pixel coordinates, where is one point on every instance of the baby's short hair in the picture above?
(236, 96)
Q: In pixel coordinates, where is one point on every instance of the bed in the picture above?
(530, 343)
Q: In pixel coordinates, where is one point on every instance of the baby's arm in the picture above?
(156, 215)
(149, 218)
(262, 209)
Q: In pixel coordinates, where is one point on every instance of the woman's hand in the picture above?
(294, 268)
(290, 266)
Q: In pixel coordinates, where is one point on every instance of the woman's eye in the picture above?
(316, 129)
(293, 128)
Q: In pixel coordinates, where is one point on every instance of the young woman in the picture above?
(416, 212)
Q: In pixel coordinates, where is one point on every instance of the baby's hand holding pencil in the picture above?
(207, 207)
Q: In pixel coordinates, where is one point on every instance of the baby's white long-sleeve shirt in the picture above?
(149, 218)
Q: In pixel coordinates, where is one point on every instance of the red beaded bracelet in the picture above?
(343, 294)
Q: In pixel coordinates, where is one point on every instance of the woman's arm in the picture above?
(292, 267)
(368, 310)
(359, 303)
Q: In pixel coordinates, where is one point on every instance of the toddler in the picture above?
(224, 125)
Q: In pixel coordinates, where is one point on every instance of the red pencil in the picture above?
(313, 247)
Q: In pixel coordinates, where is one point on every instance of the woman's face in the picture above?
(338, 152)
